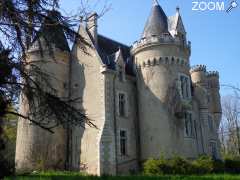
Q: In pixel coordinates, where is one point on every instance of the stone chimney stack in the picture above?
(92, 26)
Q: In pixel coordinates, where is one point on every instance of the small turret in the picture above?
(34, 144)
(213, 79)
(198, 74)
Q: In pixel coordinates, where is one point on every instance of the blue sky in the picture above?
(215, 35)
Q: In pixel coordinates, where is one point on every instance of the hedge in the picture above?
(181, 166)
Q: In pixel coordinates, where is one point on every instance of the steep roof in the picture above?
(54, 34)
(108, 48)
(175, 24)
(157, 22)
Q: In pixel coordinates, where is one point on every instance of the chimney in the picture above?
(92, 26)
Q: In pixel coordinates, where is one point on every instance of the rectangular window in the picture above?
(188, 125)
(120, 73)
(123, 142)
(122, 104)
(185, 87)
(213, 149)
(210, 124)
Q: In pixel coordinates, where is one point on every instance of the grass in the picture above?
(79, 176)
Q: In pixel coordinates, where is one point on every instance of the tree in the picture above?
(229, 127)
(21, 23)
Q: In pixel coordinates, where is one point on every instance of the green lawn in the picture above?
(76, 176)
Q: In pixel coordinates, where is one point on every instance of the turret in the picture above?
(35, 147)
(198, 75)
(162, 61)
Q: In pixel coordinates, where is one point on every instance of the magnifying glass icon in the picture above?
(233, 4)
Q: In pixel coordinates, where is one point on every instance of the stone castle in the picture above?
(145, 100)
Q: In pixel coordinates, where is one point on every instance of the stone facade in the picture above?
(145, 101)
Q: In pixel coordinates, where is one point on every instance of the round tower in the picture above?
(199, 80)
(37, 148)
(198, 75)
(161, 58)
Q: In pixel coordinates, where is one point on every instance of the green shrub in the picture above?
(203, 165)
(180, 165)
(156, 167)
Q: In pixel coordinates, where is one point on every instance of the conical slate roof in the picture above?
(53, 33)
(157, 22)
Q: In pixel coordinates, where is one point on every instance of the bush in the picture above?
(156, 167)
(180, 165)
(203, 165)
(176, 165)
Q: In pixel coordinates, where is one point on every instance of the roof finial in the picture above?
(177, 8)
(155, 3)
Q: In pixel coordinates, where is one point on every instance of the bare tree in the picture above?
(229, 127)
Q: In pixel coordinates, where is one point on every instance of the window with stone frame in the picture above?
(120, 73)
(210, 123)
(185, 86)
(122, 104)
(213, 149)
(188, 125)
(123, 142)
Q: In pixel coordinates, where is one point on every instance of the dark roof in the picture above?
(157, 22)
(107, 49)
(109, 46)
(53, 34)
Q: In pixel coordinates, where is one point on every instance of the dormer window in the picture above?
(120, 73)
(120, 65)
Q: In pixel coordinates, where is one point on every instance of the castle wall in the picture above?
(129, 162)
(206, 90)
(87, 84)
(36, 148)
(96, 145)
